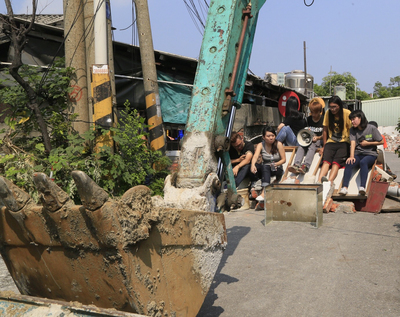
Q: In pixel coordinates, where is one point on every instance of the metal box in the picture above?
(294, 202)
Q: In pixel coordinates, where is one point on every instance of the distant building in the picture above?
(385, 111)
(293, 80)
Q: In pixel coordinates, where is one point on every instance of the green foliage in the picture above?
(115, 171)
(392, 90)
(346, 79)
(51, 87)
(127, 164)
(319, 90)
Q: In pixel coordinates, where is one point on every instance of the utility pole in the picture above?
(75, 56)
(305, 70)
(101, 83)
(153, 107)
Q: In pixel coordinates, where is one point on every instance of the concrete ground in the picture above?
(393, 161)
(347, 267)
(350, 266)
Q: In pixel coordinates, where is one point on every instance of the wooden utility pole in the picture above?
(153, 107)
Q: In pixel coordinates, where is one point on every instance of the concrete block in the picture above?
(346, 206)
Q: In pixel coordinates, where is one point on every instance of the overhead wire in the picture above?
(83, 37)
(195, 15)
(43, 79)
(308, 5)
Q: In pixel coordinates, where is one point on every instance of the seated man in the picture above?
(241, 152)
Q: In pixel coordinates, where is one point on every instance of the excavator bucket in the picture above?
(130, 254)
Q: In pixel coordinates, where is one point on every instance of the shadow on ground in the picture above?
(235, 234)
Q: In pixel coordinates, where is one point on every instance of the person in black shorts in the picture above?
(336, 139)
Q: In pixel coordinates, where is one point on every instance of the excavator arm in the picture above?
(218, 88)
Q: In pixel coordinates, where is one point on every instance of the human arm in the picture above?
(351, 159)
(373, 140)
(281, 151)
(239, 159)
(247, 159)
(371, 143)
(255, 157)
(316, 138)
(324, 139)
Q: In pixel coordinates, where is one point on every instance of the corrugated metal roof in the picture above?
(385, 111)
(45, 19)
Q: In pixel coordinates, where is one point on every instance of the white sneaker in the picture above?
(361, 191)
(343, 191)
(260, 198)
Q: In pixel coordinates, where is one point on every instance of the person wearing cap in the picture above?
(315, 125)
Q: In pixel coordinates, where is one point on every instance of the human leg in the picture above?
(255, 177)
(265, 180)
(266, 175)
(334, 171)
(327, 158)
(278, 173)
(365, 163)
(324, 170)
(298, 159)
(311, 152)
(341, 153)
(286, 135)
(348, 170)
(242, 174)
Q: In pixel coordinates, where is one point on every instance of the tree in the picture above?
(392, 90)
(345, 79)
(320, 91)
(38, 102)
(17, 34)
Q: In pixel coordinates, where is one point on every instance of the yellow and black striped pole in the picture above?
(154, 120)
(102, 104)
(153, 107)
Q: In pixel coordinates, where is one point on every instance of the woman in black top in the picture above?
(293, 123)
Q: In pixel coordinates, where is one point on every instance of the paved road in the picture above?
(347, 267)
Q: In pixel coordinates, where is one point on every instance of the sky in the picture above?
(357, 36)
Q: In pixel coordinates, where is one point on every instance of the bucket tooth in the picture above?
(91, 194)
(136, 214)
(12, 196)
(53, 197)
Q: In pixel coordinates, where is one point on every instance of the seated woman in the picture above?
(293, 123)
(336, 139)
(314, 123)
(273, 155)
(364, 138)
